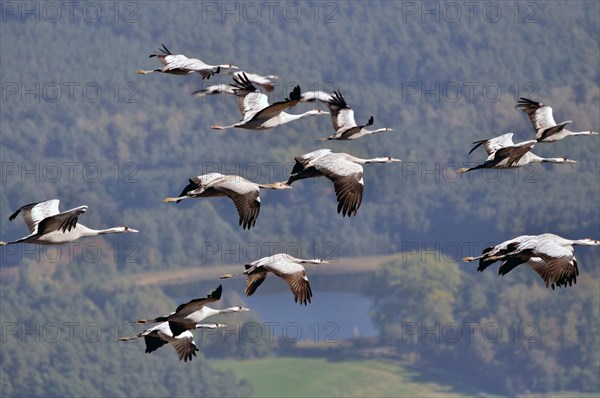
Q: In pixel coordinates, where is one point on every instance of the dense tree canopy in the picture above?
(78, 124)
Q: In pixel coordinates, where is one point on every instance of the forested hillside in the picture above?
(77, 123)
(507, 336)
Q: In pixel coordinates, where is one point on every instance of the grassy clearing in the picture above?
(310, 377)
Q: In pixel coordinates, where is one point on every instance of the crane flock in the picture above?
(551, 256)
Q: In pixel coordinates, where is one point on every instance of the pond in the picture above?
(330, 317)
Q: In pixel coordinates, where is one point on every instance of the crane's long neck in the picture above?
(586, 242)
(312, 261)
(230, 309)
(533, 158)
(364, 131)
(285, 117)
(569, 132)
(372, 160)
(85, 231)
(210, 325)
(288, 117)
(206, 312)
(271, 186)
(211, 311)
(549, 160)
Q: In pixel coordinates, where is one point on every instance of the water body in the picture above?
(332, 316)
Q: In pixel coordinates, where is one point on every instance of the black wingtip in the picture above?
(295, 94)
(14, 215)
(524, 102)
(242, 82)
(338, 99)
(216, 294)
(477, 145)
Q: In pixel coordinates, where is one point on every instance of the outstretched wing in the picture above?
(540, 115)
(185, 346)
(246, 197)
(253, 281)
(512, 154)
(153, 342)
(197, 186)
(276, 108)
(342, 116)
(248, 98)
(161, 54)
(298, 283)
(214, 89)
(63, 221)
(303, 168)
(263, 81)
(312, 96)
(194, 305)
(347, 178)
(558, 271)
(33, 213)
(493, 144)
(557, 264)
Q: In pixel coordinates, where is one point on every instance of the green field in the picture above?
(310, 377)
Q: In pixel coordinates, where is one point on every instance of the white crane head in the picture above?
(210, 325)
(565, 160)
(385, 159)
(124, 229)
(228, 66)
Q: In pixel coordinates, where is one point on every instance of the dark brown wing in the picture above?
(349, 192)
(298, 283)
(246, 197)
(248, 208)
(509, 263)
(561, 271)
(185, 346)
(278, 107)
(347, 178)
(62, 221)
(194, 305)
(552, 130)
(253, 281)
(512, 154)
(153, 342)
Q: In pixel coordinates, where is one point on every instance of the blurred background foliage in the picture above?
(78, 124)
